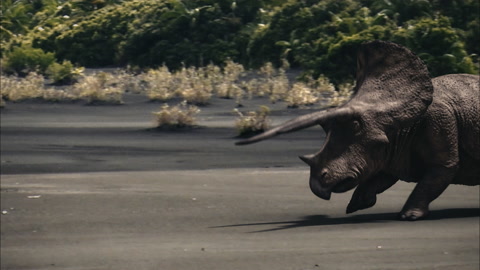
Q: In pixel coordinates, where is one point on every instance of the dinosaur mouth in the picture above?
(320, 191)
(345, 185)
(326, 192)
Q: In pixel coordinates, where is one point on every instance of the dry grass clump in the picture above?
(178, 116)
(253, 122)
(18, 89)
(300, 95)
(194, 86)
(227, 82)
(272, 83)
(198, 85)
(128, 82)
(322, 85)
(231, 90)
(32, 87)
(326, 93)
(99, 89)
(54, 95)
(275, 84)
(159, 84)
(342, 96)
(214, 74)
(279, 86)
(251, 88)
(200, 94)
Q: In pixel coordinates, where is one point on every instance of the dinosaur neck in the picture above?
(401, 161)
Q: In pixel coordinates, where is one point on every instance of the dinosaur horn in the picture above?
(309, 159)
(301, 122)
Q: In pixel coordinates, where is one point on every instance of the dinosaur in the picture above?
(400, 124)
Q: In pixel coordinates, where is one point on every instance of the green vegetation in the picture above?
(320, 37)
(23, 60)
(64, 73)
(323, 36)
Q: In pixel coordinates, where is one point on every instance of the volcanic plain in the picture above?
(99, 187)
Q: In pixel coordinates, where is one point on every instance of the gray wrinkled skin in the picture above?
(400, 125)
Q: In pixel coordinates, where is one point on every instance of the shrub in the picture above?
(178, 116)
(25, 59)
(299, 95)
(341, 96)
(317, 36)
(322, 84)
(129, 82)
(18, 89)
(272, 82)
(97, 89)
(194, 86)
(230, 90)
(279, 86)
(252, 88)
(322, 87)
(160, 85)
(214, 74)
(92, 39)
(53, 95)
(239, 94)
(31, 87)
(210, 33)
(146, 33)
(227, 86)
(199, 94)
(437, 43)
(253, 122)
(64, 73)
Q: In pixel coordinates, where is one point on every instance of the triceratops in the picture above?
(400, 124)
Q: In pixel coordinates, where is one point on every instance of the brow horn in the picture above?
(301, 122)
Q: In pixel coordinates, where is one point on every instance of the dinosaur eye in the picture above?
(356, 126)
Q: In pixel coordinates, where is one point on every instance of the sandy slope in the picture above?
(88, 187)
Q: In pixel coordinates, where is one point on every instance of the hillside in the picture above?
(320, 37)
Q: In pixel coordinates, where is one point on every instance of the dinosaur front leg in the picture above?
(427, 189)
(365, 195)
(440, 151)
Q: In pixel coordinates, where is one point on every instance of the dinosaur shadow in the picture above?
(323, 220)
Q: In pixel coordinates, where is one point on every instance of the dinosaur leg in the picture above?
(427, 190)
(365, 195)
(440, 150)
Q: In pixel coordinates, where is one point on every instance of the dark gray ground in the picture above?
(78, 138)
(91, 187)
